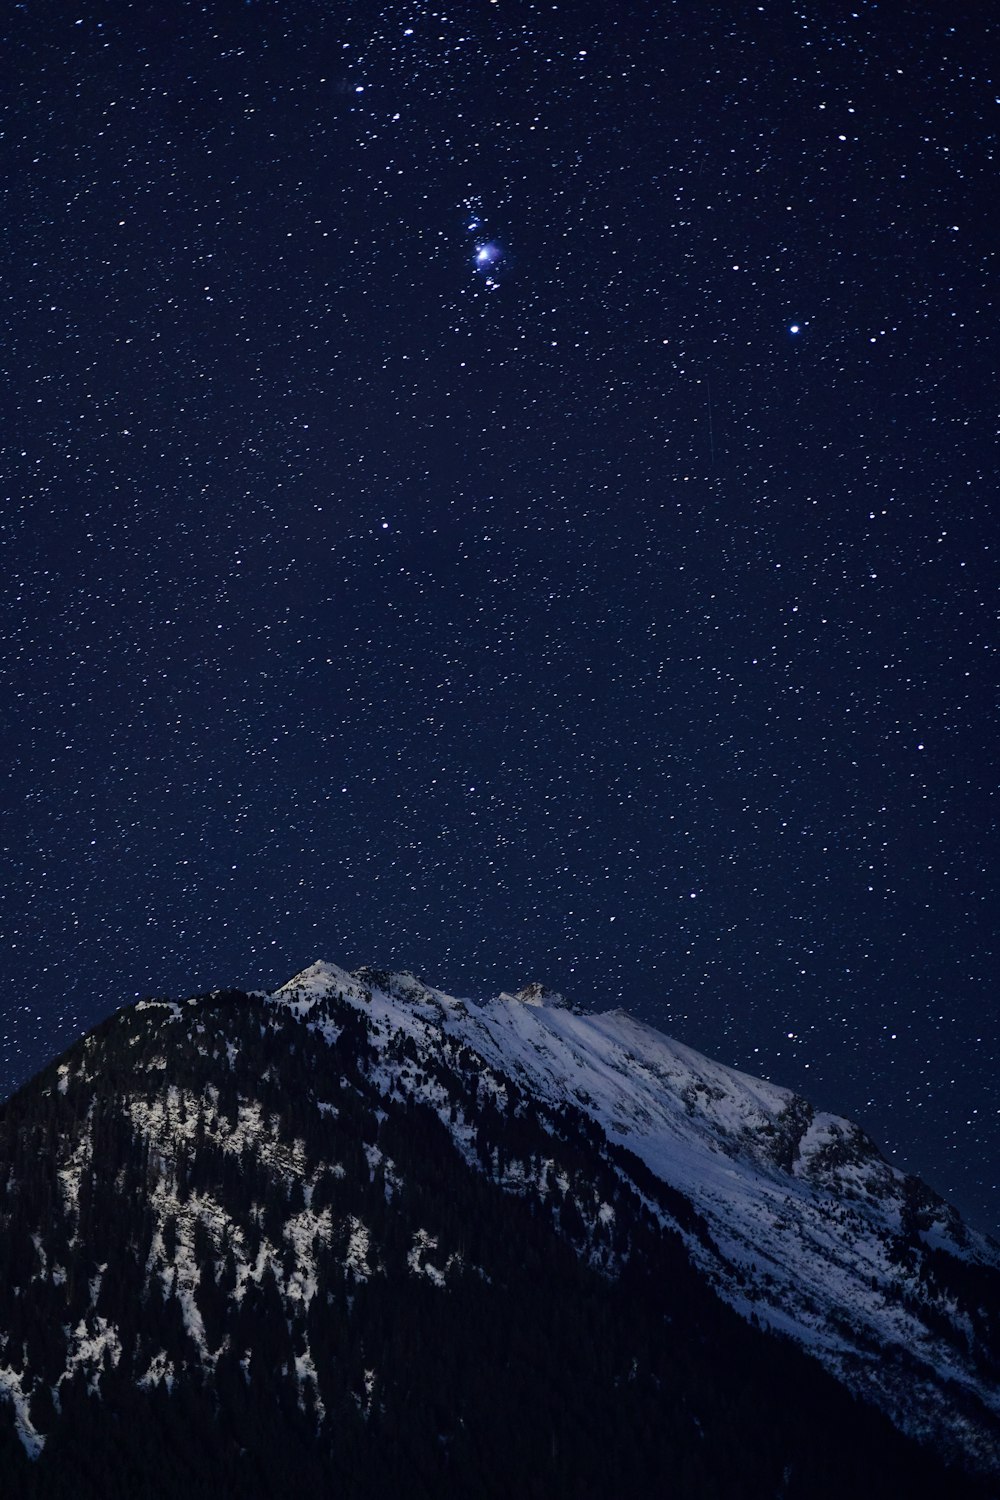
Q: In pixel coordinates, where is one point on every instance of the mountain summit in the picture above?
(362, 1233)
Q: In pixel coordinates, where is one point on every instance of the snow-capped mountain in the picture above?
(809, 1228)
(359, 1230)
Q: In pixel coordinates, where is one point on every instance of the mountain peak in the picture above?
(540, 995)
(317, 978)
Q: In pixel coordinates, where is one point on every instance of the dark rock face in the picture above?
(249, 1243)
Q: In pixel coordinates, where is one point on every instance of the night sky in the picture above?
(507, 491)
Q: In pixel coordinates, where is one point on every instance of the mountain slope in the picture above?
(361, 1231)
(810, 1227)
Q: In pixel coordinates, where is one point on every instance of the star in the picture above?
(488, 254)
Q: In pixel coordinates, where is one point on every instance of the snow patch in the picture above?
(302, 1233)
(416, 1259)
(32, 1440)
(160, 1372)
(90, 1347)
(358, 1249)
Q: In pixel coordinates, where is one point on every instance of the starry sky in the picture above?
(506, 491)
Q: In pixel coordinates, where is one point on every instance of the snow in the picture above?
(172, 1007)
(90, 1346)
(801, 1210)
(43, 1260)
(160, 1372)
(300, 994)
(416, 1259)
(302, 1233)
(800, 1207)
(32, 1440)
(305, 1373)
(70, 1174)
(358, 1250)
(177, 1116)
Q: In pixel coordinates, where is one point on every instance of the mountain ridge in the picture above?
(764, 1169)
(198, 1181)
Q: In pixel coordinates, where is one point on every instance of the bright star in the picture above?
(489, 260)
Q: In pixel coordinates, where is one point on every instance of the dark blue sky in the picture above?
(615, 609)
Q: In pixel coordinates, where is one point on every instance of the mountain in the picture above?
(359, 1234)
